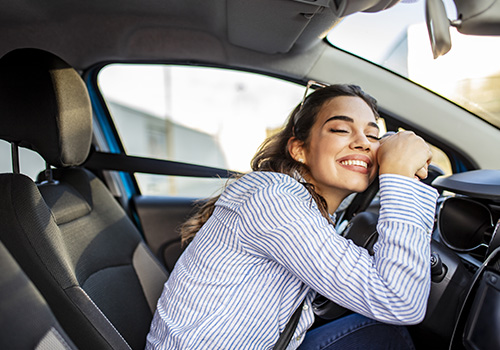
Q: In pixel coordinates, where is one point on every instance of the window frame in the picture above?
(126, 183)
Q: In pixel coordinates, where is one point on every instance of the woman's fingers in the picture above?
(422, 173)
(404, 153)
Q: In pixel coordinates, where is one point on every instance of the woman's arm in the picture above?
(281, 223)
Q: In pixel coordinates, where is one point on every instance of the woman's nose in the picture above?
(361, 141)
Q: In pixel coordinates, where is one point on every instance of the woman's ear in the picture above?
(296, 149)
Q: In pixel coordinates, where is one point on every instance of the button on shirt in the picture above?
(267, 247)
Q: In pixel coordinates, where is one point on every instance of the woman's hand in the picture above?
(404, 153)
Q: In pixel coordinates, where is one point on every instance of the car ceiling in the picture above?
(280, 36)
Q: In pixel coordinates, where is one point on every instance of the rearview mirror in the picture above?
(438, 26)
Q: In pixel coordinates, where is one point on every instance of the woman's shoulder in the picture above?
(258, 181)
(265, 179)
(268, 177)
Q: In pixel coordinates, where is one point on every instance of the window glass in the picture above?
(397, 39)
(30, 163)
(199, 115)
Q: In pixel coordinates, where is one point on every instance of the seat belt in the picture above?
(290, 327)
(121, 162)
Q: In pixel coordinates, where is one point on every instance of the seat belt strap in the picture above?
(290, 327)
(121, 162)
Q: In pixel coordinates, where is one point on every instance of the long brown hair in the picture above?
(273, 155)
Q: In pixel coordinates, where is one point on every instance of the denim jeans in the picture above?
(357, 332)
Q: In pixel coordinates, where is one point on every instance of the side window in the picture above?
(441, 160)
(30, 163)
(206, 116)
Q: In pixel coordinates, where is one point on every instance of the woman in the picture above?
(268, 243)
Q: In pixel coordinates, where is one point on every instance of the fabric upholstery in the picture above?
(67, 205)
(25, 318)
(53, 341)
(32, 236)
(70, 235)
(45, 106)
(92, 253)
(150, 273)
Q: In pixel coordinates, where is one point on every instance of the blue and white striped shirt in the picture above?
(267, 247)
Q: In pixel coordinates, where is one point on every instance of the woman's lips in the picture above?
(359, 164)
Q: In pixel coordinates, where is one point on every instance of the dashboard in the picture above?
(468, 219)
(465, 261)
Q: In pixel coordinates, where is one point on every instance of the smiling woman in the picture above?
(184, 92)
(340, 153)
(267, 244)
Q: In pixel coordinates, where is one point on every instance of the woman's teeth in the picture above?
(355, 162)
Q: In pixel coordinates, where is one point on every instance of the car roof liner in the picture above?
(217, 31)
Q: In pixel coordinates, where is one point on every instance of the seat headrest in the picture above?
(45, 106)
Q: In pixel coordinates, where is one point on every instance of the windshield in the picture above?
(397, 39)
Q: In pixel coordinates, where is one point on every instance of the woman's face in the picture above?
(341, 151)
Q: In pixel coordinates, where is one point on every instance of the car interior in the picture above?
(89, 228)
(83, 249)
(31, 323)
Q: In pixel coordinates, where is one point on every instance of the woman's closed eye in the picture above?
(344, 131)
(373, 137)
(341, 131)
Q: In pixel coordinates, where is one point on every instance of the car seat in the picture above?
(67, 231)
(26, 321)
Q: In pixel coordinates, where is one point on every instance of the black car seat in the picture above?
(68, 232)
(26, 321)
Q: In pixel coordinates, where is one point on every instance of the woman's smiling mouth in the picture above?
(357, 163)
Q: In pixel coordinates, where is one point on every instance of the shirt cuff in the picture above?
(407, 200)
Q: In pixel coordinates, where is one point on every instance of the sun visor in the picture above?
(278, 26)
(478, 17)
(274, 26)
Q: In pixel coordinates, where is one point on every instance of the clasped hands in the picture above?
(404, 153)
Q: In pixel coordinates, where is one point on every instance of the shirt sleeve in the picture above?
(282, 224)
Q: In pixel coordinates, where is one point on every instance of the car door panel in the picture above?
(161, 218)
